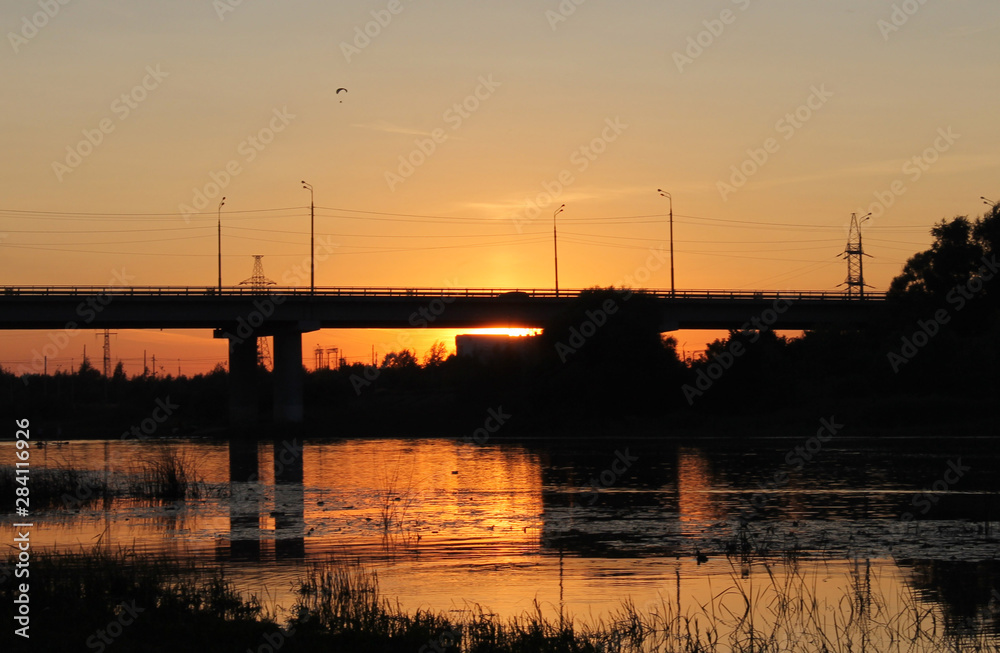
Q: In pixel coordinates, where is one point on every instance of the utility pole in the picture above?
(312, 237)
(670, 197)
(220, 243)
(555, 246)
(855, 253)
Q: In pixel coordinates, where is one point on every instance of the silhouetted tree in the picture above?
(605, 350)
(403, 359)
(436, 354)
(952, 259)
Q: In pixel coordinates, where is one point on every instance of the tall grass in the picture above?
(50, 488)
(161, 474)
(339, 607)
(166, 474)
(74, 596)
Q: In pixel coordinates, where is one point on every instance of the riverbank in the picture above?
(124, 601)
(422, 415)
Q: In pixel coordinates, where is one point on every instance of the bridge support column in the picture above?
(288, 376)
(243, 410)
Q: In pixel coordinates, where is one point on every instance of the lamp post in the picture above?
(555, 245)
(669, 197)
(988, 202)
(220, 243)
(861, 257)
(312, 237)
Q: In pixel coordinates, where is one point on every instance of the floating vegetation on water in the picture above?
(339, 607)
(67, 488)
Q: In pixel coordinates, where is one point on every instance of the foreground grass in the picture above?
(120, 602)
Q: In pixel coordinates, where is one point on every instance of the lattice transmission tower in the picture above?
(258, 285)
(855, 255)
(107, 351)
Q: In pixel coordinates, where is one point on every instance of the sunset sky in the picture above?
(124, 123)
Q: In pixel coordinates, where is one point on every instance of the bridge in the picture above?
(241, 314)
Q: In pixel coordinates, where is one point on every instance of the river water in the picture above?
(576, 527)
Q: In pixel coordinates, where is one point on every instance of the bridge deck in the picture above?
(164, 307)
(387, 291)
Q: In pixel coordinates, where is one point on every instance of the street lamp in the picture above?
(220, 243)
(555, 245)
(312, 238)
(988, 201)
(861, 257)
(669, 197)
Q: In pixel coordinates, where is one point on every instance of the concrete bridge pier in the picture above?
(288, 376)
(243, 410)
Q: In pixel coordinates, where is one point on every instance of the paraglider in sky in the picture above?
(338, 93)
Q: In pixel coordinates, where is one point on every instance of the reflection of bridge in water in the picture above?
(243, 314)
(246, 472)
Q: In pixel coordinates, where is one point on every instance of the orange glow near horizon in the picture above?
(445, 162)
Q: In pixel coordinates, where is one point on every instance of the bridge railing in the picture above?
(359, 291)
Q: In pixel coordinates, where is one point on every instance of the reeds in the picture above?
(165, 474)
(146, 604)
(50, 488)
(338, 607)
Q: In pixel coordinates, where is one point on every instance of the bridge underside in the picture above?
(241, 318)
(260, 314)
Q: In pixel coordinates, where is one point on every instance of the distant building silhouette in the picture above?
(490, 346)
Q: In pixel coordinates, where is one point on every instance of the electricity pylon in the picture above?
(107, 352)
(258, 283)
(855, 253)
